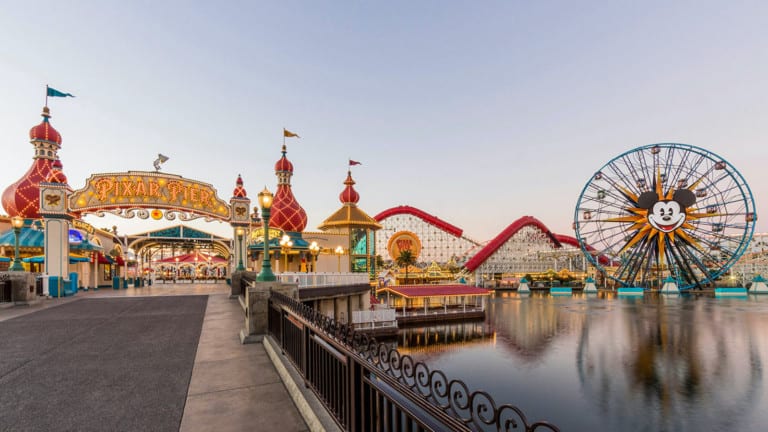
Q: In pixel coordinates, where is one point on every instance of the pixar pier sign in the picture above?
(141, 189)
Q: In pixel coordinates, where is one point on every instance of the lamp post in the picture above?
(240, 233)
(265, 201)
(339, 252)
(285, 247)
(17, 222)
(314, 249)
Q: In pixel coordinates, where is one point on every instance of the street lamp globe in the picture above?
(285, 246)
(339, 252)
(314, 249)
(265, 201)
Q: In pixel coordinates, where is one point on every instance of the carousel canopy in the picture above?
(27, 238)
(191, 258)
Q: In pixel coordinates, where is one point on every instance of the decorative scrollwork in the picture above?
(477, 410)
(130, 213)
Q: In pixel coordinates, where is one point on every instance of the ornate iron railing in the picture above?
(370, 386)
(313, 280)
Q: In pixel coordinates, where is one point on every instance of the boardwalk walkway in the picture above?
(232, 387)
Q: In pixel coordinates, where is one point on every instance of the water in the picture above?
(602, 363)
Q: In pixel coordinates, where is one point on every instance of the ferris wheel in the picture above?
(665, 210)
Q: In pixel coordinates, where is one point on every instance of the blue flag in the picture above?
(55, 93)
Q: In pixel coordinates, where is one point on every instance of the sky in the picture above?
(476, 112)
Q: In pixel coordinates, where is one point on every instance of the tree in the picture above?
(379, 262)
(406, 259)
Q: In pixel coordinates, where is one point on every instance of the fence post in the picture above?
(353, 391)
(305, 352)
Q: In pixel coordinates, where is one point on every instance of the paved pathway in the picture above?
(234, 387)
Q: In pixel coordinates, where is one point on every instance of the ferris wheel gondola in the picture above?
(665, 210)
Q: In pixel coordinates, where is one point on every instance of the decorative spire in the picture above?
(349, 215)
(284, 166)
(239, 191)
(349, 195)
(45, 138)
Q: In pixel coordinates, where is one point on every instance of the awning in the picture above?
(85, 245)
(104, 259)
(120, 261)
(4, 259)
(28, 238)
(39, 259)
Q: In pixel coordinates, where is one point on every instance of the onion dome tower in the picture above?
(357, 225)
(22, 198)
(287, 214)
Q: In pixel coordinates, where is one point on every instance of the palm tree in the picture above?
(406, 259)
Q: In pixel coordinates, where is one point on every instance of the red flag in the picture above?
(351, 162)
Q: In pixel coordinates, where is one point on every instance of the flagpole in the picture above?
(46, 95)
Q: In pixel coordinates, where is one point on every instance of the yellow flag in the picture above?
(289, 134)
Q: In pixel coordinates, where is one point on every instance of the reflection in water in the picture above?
(652, 363)
(672, 357)
(433, 339)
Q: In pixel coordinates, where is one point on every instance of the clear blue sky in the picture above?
(477, 112)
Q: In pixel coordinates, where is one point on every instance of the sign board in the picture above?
(257, 235)
(83, 226)
(147, 190)
(404, 240)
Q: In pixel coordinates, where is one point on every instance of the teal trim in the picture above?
(631, 291)
(172, 232)
(728, 291)
(561, 291)
(39, 259)
(179, 232)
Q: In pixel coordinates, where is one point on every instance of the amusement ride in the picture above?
(665, 211)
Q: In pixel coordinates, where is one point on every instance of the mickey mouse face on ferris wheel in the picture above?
(666, 215)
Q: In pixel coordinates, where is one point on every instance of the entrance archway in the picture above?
(145, 195)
